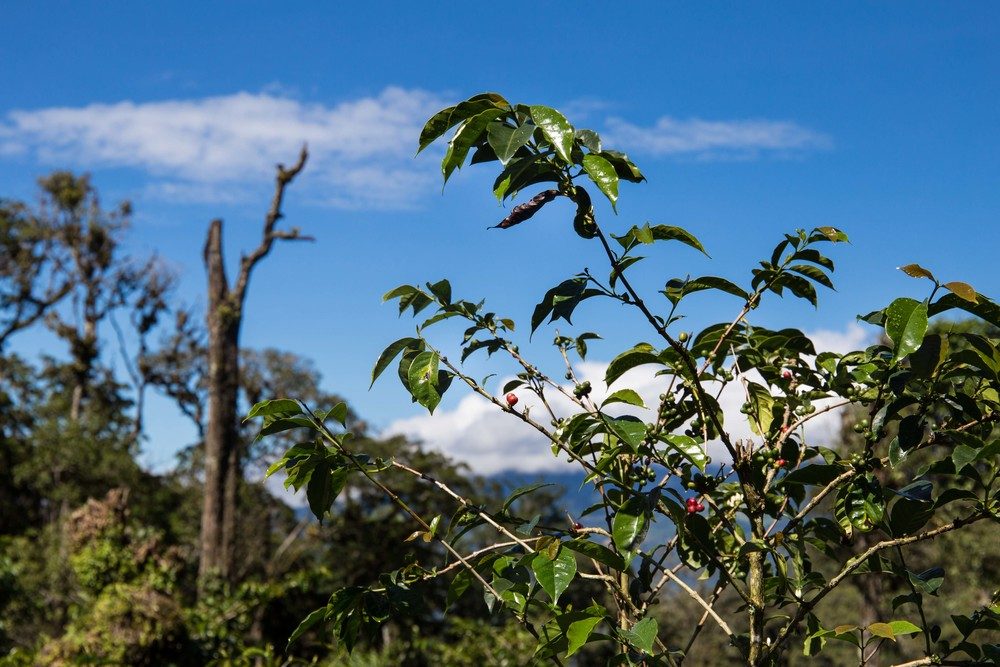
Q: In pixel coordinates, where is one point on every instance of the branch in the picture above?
(270, 235)
(856, 562)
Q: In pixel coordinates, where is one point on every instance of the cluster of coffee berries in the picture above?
(582, 389)
(863, 426)
(806, 408)
(646, 473)
(769, 457)
(693, 505)
(702, 483)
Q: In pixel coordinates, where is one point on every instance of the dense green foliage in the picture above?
(763, 538)
(710, 539)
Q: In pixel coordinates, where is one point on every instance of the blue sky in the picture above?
(748, 119)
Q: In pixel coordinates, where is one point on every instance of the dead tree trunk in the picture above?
(223, 449)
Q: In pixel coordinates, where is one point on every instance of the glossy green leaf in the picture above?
(577, 626)
(814, 475)
(506, 140)
(390, 353)
(629, 524)
(590, 140)
(688, 447)
(900, 628)
(624, 167)
(556, 129)
(643, 634)
(762, 405)
(523, 491)
(983, 308)
(554, 575)
(308, 622)
(324, 487)
(905, 325)
(627, 396)
(451, 116)
(603, 175)
(468, 134)
(642, 353)
(598, 552)
(629, 430)
(647, 235)
(276, 406)
(676, 289)
(423, 379)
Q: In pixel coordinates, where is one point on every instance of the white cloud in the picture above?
(708, 139)
(212, 148)
(216, 149)
(490, 441)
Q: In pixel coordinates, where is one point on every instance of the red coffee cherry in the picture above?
(511, 399)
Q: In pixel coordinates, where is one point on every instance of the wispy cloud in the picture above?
(210, 148)
(490, 441)
(216, 149)
(715, 139)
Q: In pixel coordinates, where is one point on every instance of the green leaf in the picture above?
(423, 379)
(561, 301)
(762, 404)
(628, 396)
(676, 289)
(554, 575)
(578, 626)
(598, 552)
(276, 406)
(963, 455)
(629, 430)
(690, 448)
(629, 524)
(904, 628)
(624, 167)
(390, 353)
(308, 622)
(324, 487)
(928, 581)
(458, 586)
(506, 140)
(522, 491)
(643, 634)
(451, 116)
(467, 135)
(556, 129)
(906, 324)
(983, 308)
(648, 235)
(590, 140)
(814, 475)
(642, 353)
(603, 175)
(831, 234)
(337, 413)
(816, 274)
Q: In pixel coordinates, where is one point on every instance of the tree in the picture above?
(223, 448)
(752, 524)
(30, 282)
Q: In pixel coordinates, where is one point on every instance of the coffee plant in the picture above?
(768, 520)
